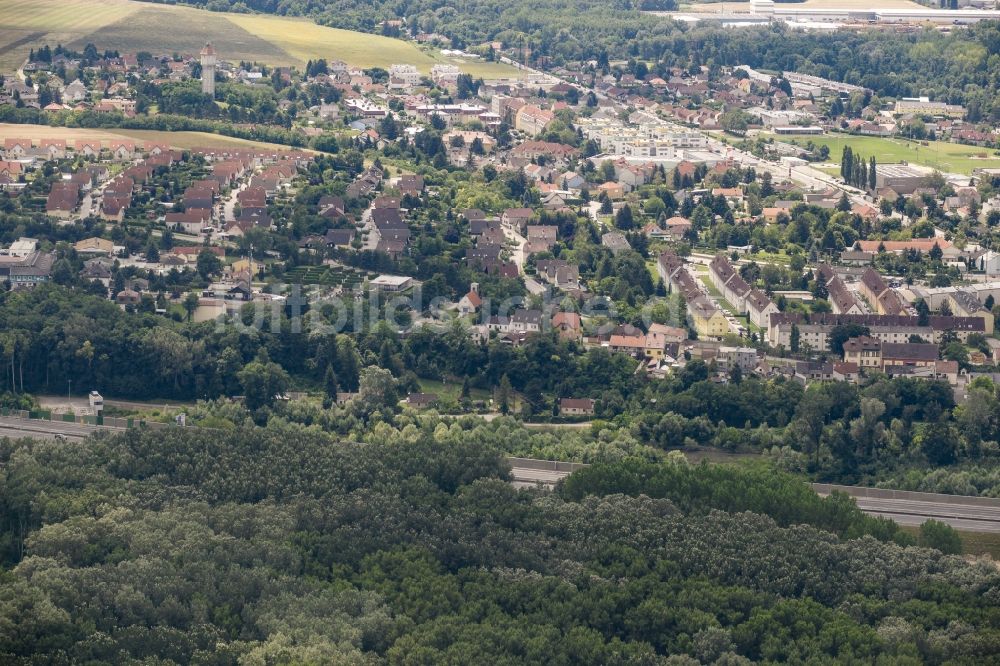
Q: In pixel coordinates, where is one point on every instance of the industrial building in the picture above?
(901, 178)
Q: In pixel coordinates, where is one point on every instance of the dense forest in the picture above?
(283, 545)
(960, 67)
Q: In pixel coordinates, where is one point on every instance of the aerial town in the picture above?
(658, 180)
(487, 316)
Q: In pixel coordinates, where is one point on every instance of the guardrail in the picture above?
(909, 495)
(545, 465)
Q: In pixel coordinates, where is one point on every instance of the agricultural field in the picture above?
(26, 23)
(180, 140)
(940, 155)
(135, 26)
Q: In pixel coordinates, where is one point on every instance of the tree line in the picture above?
(855, 171)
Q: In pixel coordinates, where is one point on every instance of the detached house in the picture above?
(191, 221)
(113, 208)
(471, 302)
(122, 150)
(678, 227)
(568, 325)
(576, 407)
(516, 219)
(541, 238)
(62, 200)
(15, 149)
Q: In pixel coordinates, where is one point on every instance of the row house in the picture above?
(841, 298)
(482, 254)
(964, 303)
(707, 318)
(883, 300)
(760, 307)
(729, 283)
(558, 153)
(814, 330)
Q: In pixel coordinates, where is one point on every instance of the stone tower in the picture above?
(208, 70)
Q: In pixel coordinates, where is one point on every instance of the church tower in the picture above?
(208, 70)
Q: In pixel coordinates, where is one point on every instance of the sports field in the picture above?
(940, 155)
(129, 26)
(174, 139)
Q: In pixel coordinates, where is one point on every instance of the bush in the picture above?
(938, 535)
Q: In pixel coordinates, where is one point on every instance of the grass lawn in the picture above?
(973, 543)
(716, 294)
(130, 26)
(726, 305)
(174, 139)
(940, 155)
(451, 390)
(765, 257)
(651, 266)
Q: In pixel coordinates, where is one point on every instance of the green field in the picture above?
(129, 26)
(451, 390)
(940, 155)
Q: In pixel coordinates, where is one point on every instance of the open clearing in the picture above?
(129, 26)
(940, 155)
(180, 140)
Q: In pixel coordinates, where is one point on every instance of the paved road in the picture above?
(532, 478)
(534, 287)
(962, 516)
(229, 204)
(966, 517)
(517, 254)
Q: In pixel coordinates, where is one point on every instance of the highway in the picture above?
(971, 514)
(11, 427)
(533, 473)
(968, 514)
(913, 513)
